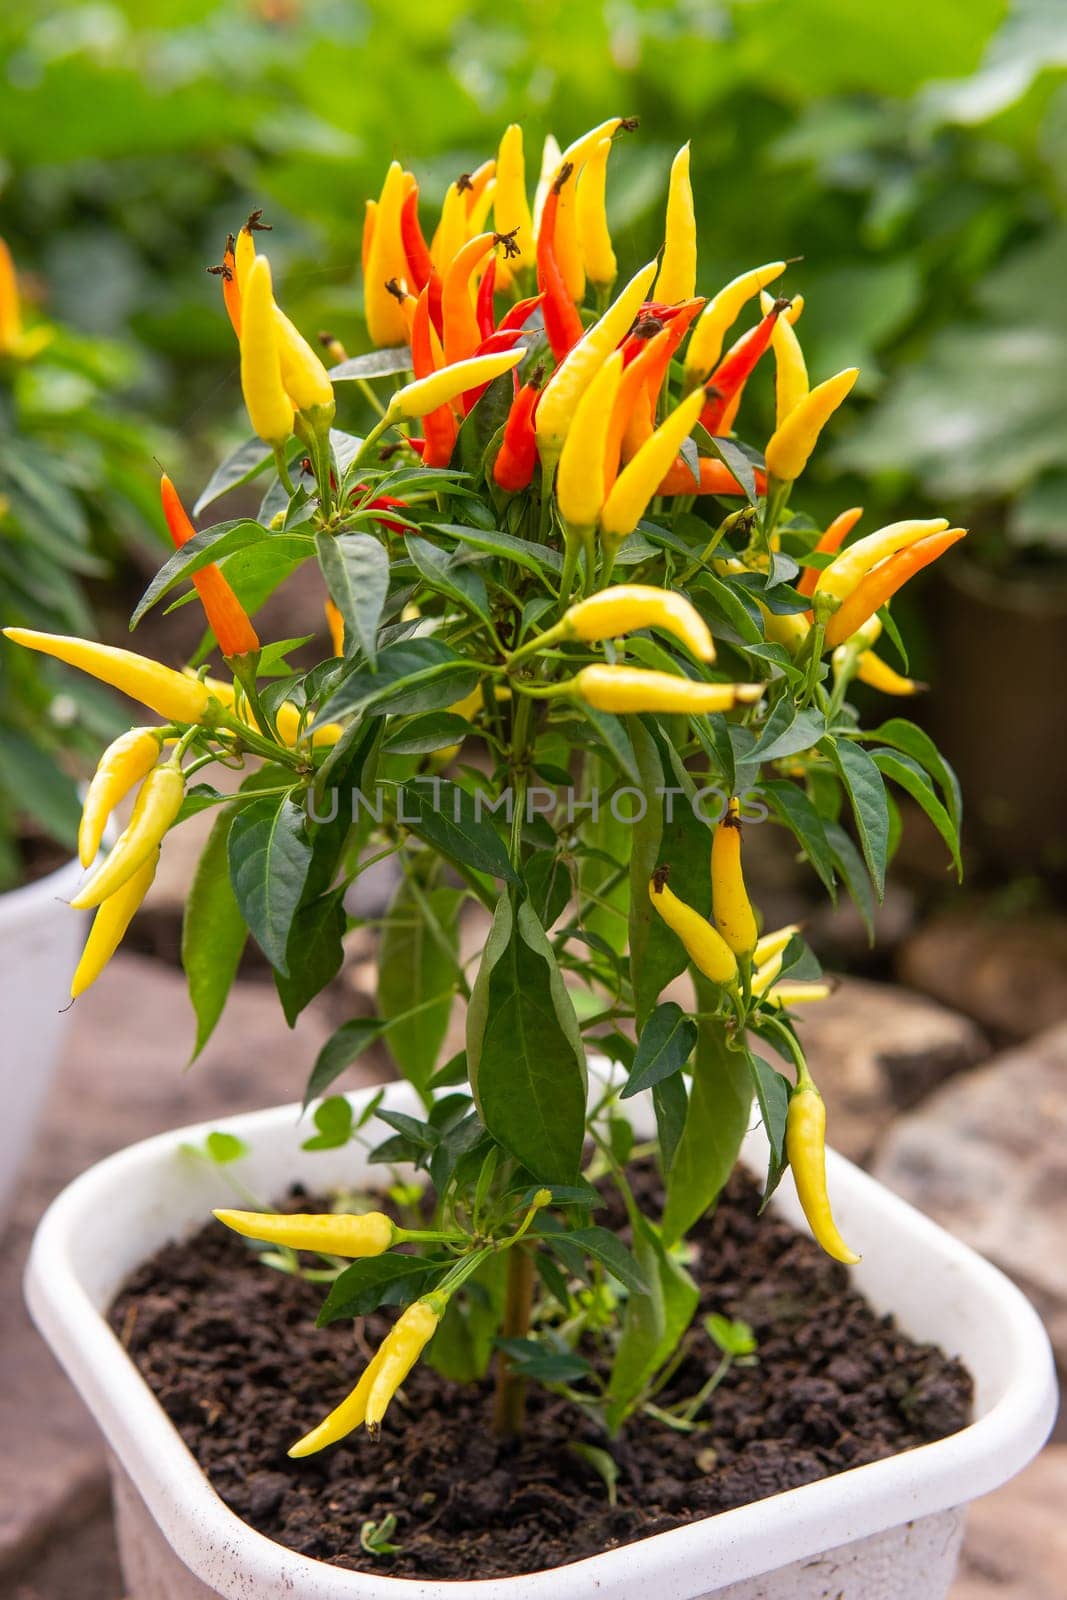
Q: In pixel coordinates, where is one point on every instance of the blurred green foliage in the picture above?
(914, 155)
(913, 158)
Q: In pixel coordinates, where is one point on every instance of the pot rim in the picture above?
(226, 1553)
(31, 901)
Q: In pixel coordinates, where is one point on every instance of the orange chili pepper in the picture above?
(883, 581)
(734, 370)
(461, 335)
(231, 289)
(563, 325)
(439, 427)
(832, 540)
(715, 478)
(225, 613)
(484, 305)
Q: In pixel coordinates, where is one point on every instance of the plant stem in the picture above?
(509, 1405)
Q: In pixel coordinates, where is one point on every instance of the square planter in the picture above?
(886, 1531)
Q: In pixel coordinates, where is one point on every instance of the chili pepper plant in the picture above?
(586, 651)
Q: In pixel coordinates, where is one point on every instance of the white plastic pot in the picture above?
(887, 1531)
(40, 938)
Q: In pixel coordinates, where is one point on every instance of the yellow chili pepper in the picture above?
(799, 994)
(730, 905)
(642, 475)
(789, 630)
(622, 689)
(791, 384)
(511, 208)
(170, 694)
(764, 974)
(336, 624)
(719, 316)
(856, 560)
(305, 378)
(451, 231)
(127, 760)
(244, 250)
(678, 268)
(581, 476)
(426, 394)
(629, 606)
(10, 309)
(878, 674)
(385, 261)
(579, 151)
(551, 161)
(353, 1236)
(704, 945)
(566, 246)
(805, 1143)
(287, 718)
(560, 396)
(793, 441)
(110, 924)
(590, 205)
(158, 803)
(270, 409)
(388, 1368)
(773, 944)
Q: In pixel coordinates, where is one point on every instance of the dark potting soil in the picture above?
(231, 1350)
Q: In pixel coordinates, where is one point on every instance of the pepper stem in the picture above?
(509, 1405)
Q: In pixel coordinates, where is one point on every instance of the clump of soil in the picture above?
(231, 1350)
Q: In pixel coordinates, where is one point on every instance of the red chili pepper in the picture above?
(563, 325)
(832, 540)
(225, 614)
(516, 459)
(516, 315)
(715, 478)
(484, 307)
(503, 339)
(384, 502)
(635, 414)
(734, 369)
(416, 250)
(439, 427)
(665, 313)
(436, 304)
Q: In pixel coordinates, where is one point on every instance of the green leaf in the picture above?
(524, 1049)
(356, 569)
(334, 1122)
(435, 730)
(534, 557)
(244, 464)
(670, 1100)
(866, 791)
(732, 1338)
(372, 364)
(391, 1279)
(213, 933)
(269, 854)
(35, 786)
(715, 1125)
(602, 1463)
(449, 819)
(787, 731)
(903, 735)
(448, 576)
(849, 864)
(222, 1148)
(339, 1052)
(911, 777)
(537, 1359)
(209, 545)
(418, 968)
(772, 1093)
(607, 1248)
(315, 953)
(791, 803)
(665, 1045)
(653, 1322)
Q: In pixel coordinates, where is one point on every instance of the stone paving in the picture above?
(912, 1090)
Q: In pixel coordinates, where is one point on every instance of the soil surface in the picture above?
(231, 1350)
